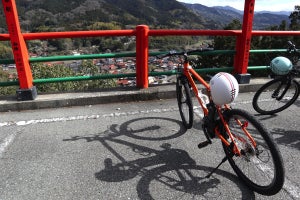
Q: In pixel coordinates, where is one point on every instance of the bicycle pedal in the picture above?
(204, 144)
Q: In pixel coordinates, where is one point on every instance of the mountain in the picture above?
(229, 8)
(220, 16)
(60, 15)
(79, 14)
(224, 15)
(287, 13)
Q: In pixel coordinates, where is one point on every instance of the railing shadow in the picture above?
(169, 168)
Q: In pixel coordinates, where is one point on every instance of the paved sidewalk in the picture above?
(128, 94)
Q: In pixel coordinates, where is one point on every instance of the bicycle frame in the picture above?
(189, 72)
(286, 79)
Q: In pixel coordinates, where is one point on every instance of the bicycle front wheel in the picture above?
(185, 103)
(260, 166)
(275, 96)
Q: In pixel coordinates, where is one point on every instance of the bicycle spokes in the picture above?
(244, 125)
(259, 163)
(263, 155)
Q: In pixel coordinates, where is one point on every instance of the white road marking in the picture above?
(197, 111)
(6, 142)
(84, 117)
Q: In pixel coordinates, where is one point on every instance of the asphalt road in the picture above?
(128, 151)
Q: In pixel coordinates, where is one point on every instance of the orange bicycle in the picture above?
(249, 148)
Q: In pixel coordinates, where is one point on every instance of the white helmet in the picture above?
(224, 88)
(281, 65)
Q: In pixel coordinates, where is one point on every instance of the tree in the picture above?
(221, 43)
(87, 68)
(225, 42)
(295, 19)
(112, 43)
(40, 71)
(4, 77)
(5, 51)
(295, 23)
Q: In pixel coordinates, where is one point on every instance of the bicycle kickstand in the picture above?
(213, 171)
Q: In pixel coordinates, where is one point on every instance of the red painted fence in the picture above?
(142, 33)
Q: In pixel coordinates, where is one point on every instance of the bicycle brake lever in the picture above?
(172, 52)
(291, 46)
(209, 76)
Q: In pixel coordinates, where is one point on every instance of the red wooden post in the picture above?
(142, 49)
(243, 44)
(27, 91)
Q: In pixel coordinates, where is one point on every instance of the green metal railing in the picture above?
(131, 54)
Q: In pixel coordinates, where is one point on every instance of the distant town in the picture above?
(115, 66)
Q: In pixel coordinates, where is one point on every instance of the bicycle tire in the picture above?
(184, 101)
(266, 103)
(265, 160)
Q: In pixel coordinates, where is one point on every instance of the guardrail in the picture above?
(141, 32)
(141, 56)
(118, 55)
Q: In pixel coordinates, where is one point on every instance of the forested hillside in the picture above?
(57, 15)
(35, 15)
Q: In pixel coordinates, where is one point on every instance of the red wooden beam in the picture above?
(78, 34)
(27, 90)
(142, 51)
(244, 41)
(166, 32)
(162, 32)
(275, 33)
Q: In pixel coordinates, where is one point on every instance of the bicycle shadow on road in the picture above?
(190, 182)
(287, 138)
(173, 170)
(297, 102)
(151, 128)
(164, 168)
(265, 117)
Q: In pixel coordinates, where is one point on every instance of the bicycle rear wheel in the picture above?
(275, 96)
(261, 166)
(185, 103)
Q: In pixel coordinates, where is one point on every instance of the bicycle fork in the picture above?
(276, 92)
(232, 146)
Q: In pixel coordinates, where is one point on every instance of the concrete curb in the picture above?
(105, 96)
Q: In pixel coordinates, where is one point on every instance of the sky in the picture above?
(260, 5)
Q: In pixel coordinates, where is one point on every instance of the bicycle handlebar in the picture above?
(293, 50)
(291, 47)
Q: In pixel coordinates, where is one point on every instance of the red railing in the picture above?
(142, 34)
